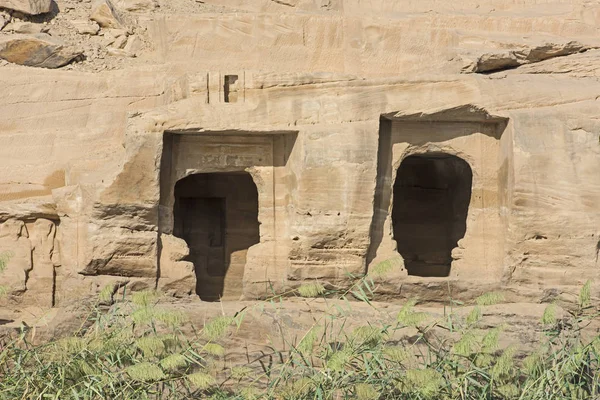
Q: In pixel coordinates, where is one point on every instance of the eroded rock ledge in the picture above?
(509, 59)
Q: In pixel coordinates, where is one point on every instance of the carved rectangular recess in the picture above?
(230, 89)
(193, 152)
(449, 158)
(215, 188)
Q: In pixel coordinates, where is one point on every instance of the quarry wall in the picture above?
(319, 103)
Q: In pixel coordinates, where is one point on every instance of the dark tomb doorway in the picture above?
(432, 193)
(217, 215)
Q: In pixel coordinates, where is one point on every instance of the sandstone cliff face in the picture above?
(344, 117)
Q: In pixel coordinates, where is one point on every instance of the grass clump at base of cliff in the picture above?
(121, 356)
(136, 349)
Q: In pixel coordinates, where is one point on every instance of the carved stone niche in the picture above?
(223, 212)
(31, 256)
(15, 246)
(442, 183)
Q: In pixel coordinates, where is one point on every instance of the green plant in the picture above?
(136, 350)
(139, 350)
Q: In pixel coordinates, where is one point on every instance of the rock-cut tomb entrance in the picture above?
(431, 199)
(217, 215)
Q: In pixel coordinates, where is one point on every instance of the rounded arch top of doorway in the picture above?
(431, 197)
(217, 215)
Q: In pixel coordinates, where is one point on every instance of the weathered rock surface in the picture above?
(36, 51)
(14, 239)
(492, 62)
(105, 14)
(551, 50)
(177, 275)
(24, 28)
(45, 258)
(31, 7)
(86, 27)
(4, 19)
(137, 5)
(335, 122)
(134, 46)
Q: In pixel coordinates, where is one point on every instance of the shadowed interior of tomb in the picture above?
(431, 200)
(217, 215)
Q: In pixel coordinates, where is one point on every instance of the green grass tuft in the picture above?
(71, 345)
(365, 391)
(465, 345)
(585, 295)
(339, 359)
(368, 336)
(425, 382)
(311, 290)
(490, 341)
(242, 372)
(145, 298)
(407, 316)
(217, 327)
(145, 372)
(397, 354)
(549, 316)
(489, 299)
(151, 346)
(171, 317)
(173, 362)
(201, 380)
(214, 349)
(144, 315)
(504, 364)
(307, 343)
(106, 294)
(385, 267)
(474, 316)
